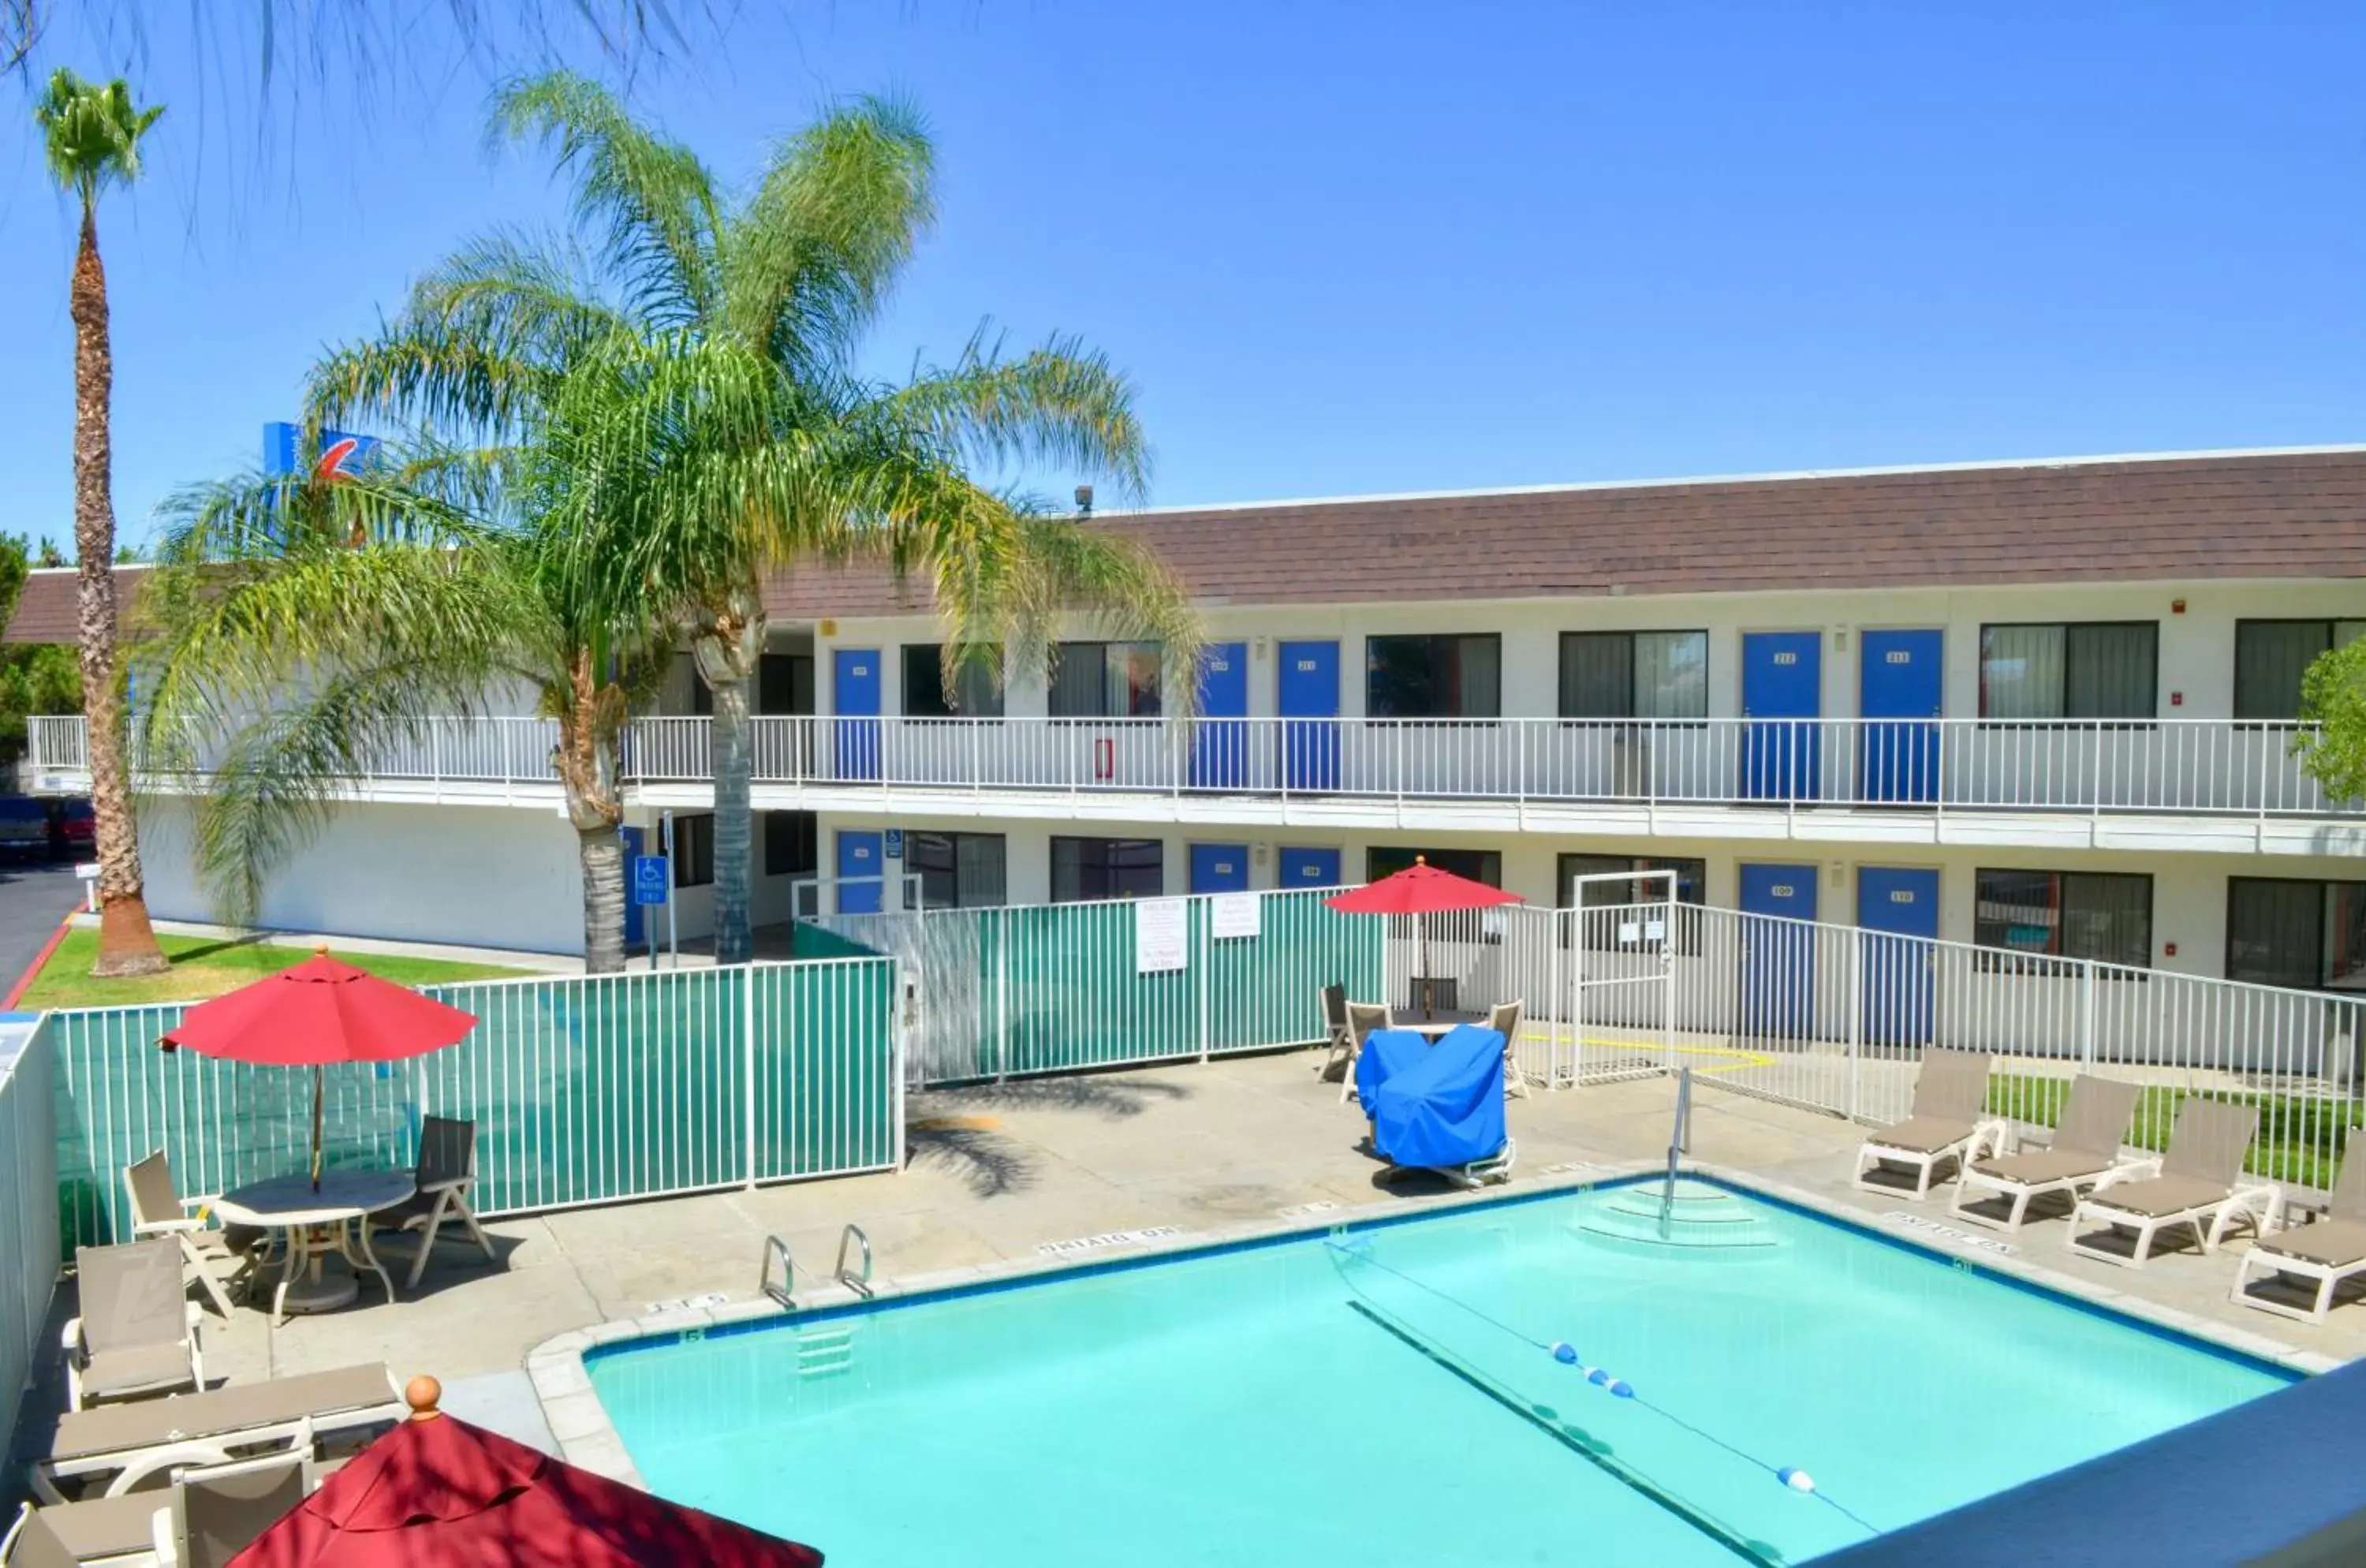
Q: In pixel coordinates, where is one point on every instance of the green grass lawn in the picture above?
(2300, 1138)
(207, 966)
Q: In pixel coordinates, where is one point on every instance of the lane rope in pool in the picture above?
(1794, 1478)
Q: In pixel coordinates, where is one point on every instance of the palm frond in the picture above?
(1061, 403)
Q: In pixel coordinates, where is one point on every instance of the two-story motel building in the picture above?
(2043, 706)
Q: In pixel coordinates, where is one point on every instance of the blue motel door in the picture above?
(1897, 911)
(1306, 693)
(1778, 958)
(861, 860)
(854, 697)
(1220, 868)
(1308, 868)
(1220, 741)
(1901, 686)
(1782, 698)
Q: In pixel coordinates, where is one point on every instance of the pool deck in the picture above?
(999, 1173)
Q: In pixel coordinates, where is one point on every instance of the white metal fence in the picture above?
(1048, 989)
(2200, 766)
(29, 1215)
(584, 1089)
(1836, 1018)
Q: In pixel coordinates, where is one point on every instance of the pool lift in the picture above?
(1681, 1214)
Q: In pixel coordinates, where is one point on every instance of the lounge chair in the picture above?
(2199, 1183)
(2327, 1252)
(447, 1173)
(218, 1511)
(2085, 1154)
(1364, 1020)
(136, 1334)
(1505, 1020)
(1443, 1111)
(1946, 1124)
(158, 1208)
(130, 1444)
(108, 1532)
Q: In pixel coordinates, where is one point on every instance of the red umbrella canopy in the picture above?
(438, 1493)
(1420, 889)
(318, 1014)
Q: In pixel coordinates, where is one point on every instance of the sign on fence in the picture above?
(1162, 934)
(651, 879)
(1233, 914)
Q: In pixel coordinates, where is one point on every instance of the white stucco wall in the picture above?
(482, 875)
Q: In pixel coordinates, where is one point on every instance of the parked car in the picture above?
(24, 827)
(73, 828)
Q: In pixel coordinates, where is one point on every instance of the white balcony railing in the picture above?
(2178, 766)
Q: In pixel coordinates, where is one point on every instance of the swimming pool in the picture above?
(1539, 1379)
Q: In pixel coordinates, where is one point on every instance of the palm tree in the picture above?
(92, 135)
(773, 449)
(303, 625)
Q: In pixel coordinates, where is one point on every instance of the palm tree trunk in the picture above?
(602, 855)
(727, 650)
(127, 944)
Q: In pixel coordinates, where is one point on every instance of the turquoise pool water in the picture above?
(1389, 1395)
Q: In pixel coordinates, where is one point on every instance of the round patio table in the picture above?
(334, 1219)
(1434, 1027)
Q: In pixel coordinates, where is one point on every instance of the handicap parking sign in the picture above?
(651, 878)
(894, 843)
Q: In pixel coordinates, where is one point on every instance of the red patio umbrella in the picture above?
(1420, 889)
(315, 1015)
(438, 1493)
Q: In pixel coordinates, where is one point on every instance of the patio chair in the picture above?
(136, 1333)
(1505, 1020)
(106, 1532)
(1364, 1020)
(215, 1512)
(1443, 1111)
(158, 1208)
(2198, 1183)
(130, 1445)
(1945, 1125)
(1334, 1023)
(2084, 1157)
(446, 1174)
(2329, 1252)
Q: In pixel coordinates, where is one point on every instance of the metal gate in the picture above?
(1620, 971)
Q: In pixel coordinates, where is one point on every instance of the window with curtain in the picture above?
(791, 843)
(1601, 932)
(1434, 677)
(2305, 935)
(784, 684)
(1633, 675)
(2106, 916)
(694, 850)
(1084, 869)
(2076, 669)
(2271, 656)
(957, 871)
(1105, 680)
(976, 693)
(1479, 865)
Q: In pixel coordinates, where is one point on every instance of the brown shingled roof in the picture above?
(2300, 514)
(45, 610)
(2267, 515)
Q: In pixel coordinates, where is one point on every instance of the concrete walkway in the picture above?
(998, 1172)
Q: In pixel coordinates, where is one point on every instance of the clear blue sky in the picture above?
(1378, 247)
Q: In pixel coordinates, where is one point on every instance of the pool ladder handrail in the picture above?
(860, 1284)
(1679, 1140)
(775, 1247)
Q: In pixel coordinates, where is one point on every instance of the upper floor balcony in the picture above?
(2157, 785)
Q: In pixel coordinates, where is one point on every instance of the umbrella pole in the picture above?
(316, 1129)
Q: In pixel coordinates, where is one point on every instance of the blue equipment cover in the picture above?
(1386, 1053)
(1448, 1108)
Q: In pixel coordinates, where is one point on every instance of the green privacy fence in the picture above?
(584, 1090)
(1047, 988)
(28, 1221)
